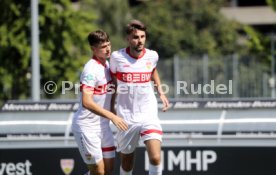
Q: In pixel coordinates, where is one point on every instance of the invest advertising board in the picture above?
(176, 161)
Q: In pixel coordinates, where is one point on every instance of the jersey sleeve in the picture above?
(155, 58)
(113, 64)
(88, 78)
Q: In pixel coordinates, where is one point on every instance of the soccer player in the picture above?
(134, 67)
(91, 122)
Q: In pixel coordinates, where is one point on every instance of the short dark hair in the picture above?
(97, 37)
(135, 25)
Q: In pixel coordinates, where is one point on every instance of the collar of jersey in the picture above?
(140, 56)
(97, 60)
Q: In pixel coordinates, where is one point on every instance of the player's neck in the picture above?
(135, 54)
(100, 60)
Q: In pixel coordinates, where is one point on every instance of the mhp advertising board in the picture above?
(176, 161)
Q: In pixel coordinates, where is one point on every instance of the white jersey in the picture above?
(96, 78)
(136, 100)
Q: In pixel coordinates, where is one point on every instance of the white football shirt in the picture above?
(96, 78)
(135, 92)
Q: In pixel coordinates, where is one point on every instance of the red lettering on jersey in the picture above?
(99, 90)
(134, 77)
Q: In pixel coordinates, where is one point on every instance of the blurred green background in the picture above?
(192, 32)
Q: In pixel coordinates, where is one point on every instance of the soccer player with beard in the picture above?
(134, 67)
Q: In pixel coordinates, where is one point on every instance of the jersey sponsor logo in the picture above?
(134, 77)
(67, 165)
(98, 90)
(103, 89)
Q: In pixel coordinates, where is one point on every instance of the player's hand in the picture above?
(165, 102)
(119, 123)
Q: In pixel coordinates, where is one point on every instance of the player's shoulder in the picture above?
(118, 53)
(90, 65)
(90, 62)
(151, 53)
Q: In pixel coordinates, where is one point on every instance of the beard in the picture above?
(138, 48)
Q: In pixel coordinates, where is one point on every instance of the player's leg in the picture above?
(108, 165)
(127, 142)
(151, 135)
(89, 145)
(108, 150)
(127, 163)
(154, 152)
(97, 169)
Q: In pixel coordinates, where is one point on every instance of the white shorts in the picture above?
(127, 141)
(94, 146)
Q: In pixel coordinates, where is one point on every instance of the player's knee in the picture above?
(109, 171)
(155, 159)
(127, 165)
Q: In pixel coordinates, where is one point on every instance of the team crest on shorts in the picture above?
(88, 156)
(148, 64)
(67, 165)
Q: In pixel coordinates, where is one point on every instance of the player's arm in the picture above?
(114, 94)
(157, 85)
(89, 103)
(113, 67)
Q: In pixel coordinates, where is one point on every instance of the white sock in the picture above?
(122, 172)
(155, 169)
(88, 173)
